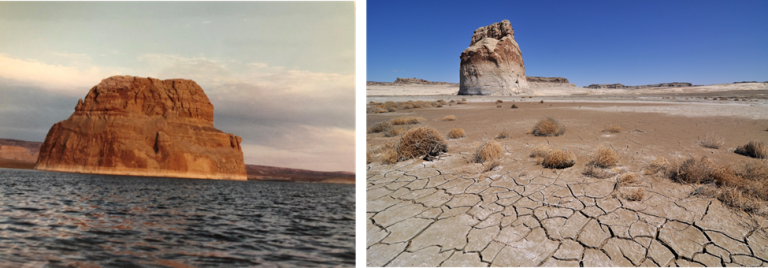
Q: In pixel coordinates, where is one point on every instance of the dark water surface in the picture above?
(60, 219)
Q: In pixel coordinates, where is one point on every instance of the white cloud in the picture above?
(64, 79)
(328, 149)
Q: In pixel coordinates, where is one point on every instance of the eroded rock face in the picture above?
(143, 127)
(493, 62)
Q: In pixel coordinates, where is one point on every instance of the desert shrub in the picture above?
(395, 131)
(504, 134)
(491, 165)
(439, 106)
(542, 101)
(726, 176)
(499, 101)
(379, 127)
(548, 127)
(634, 194)
(463, 99)
(407, 120)
(612, 128)
(452, 101)
(456, 133)
(380, 110)
(449, 118)
(692, 170)
(628, 179)
(530, 97)
(756, 171)
(498, 105)
(754, 149)
(419, 142)
(660, 164)
(488, 151)
(389, 157)
(735, 198)
(391, 109)
(711, 140)
(540, 151)
(604, 157)
(514, 106)
(559, 159)
(596, 172)
(368, 157)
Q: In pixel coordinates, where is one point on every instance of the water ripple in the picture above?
(61, 219)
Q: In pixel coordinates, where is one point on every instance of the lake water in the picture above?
(60, 219)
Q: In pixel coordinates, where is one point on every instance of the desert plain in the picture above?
(451, 210)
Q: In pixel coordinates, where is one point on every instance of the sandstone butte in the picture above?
(492, 63)
(143, 127)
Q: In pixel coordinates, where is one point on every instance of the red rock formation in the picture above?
(143, 127)
(493, 62)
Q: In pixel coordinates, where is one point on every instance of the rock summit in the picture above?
(137, 126)
(492, 63)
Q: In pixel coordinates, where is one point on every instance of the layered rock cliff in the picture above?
(493, 62)
(143, 127)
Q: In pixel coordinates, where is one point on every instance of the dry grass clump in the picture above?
(604, 157)
(540, 151)
(498, 105)
(629, 179)
(422, 141)
(488, 151)
(634, 194)
(712, 141)
(456, 133)
(548, 127)
(379, 127)
(596, 172)
(542, 101)
(754, 149)
(395, 131)
(389, 157)
(559, 159)
(491, 165)
(407, 120)
(499, 101)
(391, 109)
(691, 170)
(660, 164)
(504, 134)
(514, 106)
(612, 128)
(449, 118)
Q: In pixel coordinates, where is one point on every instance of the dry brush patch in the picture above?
(386, 153)
(629, 179)
(456, 133)
(408, 120)
(514, 106)
(559, 159)
(488, 151)
(604, 157)
(449, 118)
(395, 131)
(633, 194)
(379, 127)
(711, 140)
(612, 128)
(540, 151)
(548, 127)
(756, 149)
(419, 142)
(504, 134)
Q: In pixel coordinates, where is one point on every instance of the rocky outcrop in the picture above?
(410, 81)
(538, 81)
(143, 127)
(492, 63)
(18, 153)
(620, 86)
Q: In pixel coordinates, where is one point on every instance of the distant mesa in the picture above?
(493, 62)
(409, 82)
(620, 86)
(538, 81)
(18, 153)
(268, 173)
(137, 126)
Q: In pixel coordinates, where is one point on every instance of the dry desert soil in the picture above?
(452, 211)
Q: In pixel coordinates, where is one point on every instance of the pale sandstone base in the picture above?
(133, 172)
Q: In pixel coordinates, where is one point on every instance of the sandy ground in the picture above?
(448, 212)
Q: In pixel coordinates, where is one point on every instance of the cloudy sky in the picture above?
(279, 74)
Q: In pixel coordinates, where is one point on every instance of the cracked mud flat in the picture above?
(448, 212)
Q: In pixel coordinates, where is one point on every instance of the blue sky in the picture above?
(628, 42)
(279, 74)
